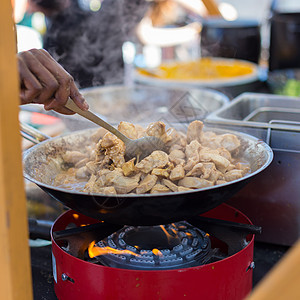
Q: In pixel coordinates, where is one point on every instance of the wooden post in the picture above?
(15, 270)
(212, 8)
(283, 281)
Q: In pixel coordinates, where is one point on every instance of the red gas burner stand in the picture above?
(229, 278)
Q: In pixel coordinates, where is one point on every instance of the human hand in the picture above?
(45, 81)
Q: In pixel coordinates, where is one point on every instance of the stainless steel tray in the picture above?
(272, 200)
(267, 114)
(264, 116)
(258, 110)
(145, 104)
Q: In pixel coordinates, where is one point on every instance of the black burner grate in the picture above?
(172, 246)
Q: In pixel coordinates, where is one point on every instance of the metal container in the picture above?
(144, 104)
(284, 40)
(240, 39)
(271, 200)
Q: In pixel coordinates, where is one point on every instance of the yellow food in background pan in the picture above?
(202, 69)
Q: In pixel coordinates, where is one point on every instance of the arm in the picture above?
(45, 81)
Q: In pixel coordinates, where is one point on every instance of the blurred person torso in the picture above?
(88, 44)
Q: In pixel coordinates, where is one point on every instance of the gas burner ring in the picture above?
(172, 246)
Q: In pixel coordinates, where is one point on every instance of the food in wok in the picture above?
(193, 160)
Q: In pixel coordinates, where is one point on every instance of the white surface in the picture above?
(28, 38)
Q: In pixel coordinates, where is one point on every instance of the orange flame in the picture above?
(96, 251)
(157, 252)
(166, 232)
(75, 216)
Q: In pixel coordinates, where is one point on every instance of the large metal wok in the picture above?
(41, 166)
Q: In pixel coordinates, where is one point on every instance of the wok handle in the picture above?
(95, 119)
(31, 134)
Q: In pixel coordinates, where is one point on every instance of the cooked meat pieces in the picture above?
(157, 159)
(221, 162)
(220, 182)
(158, 129)
(209, 140)
(215, 175)
(109, 140)
(177, 141)
(93, 185)
(114, 149)
(129, 167)
(66, 178)
(160, 172)
(124, 185)
(82, 173)
(244, 167)
(194, 160)
(194, 183)
(172, 186)
(98, 181)
(159, 188)
(113, 175)
(197, 170)
(73, 157)
(225, 153)
(146, 184)
(183, 189)
(128, 129)
(192, 154)
(98, 134)
(191, 163)
(192, 149)
(92, 167)
(177, 173)
(194, 131)
(109, 190)
(81, 163)
(177, 157)
(208, 169)
(233, 175)
(140, 131)
(228, 141)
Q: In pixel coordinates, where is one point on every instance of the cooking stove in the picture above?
(209, 256)
(172, 246)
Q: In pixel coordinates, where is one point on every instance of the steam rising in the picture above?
(89, 44)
